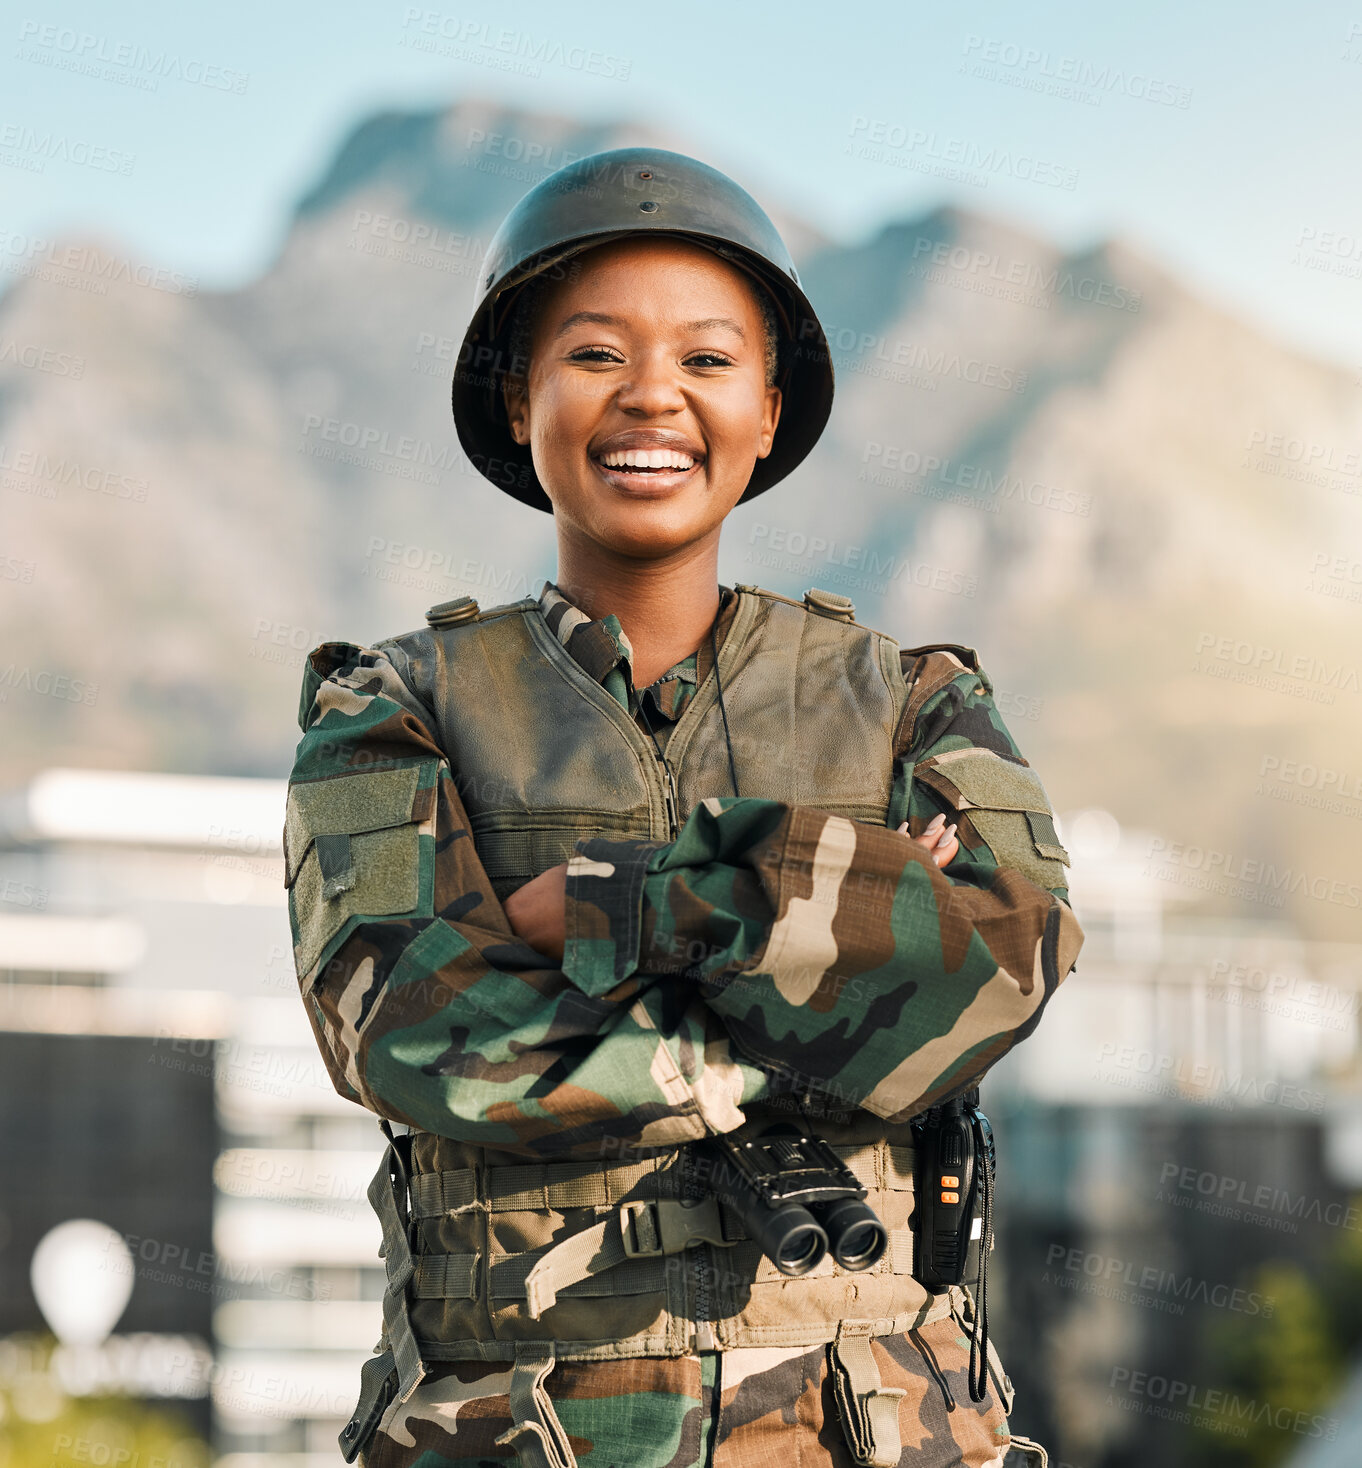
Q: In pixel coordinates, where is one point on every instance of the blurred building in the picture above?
(157, 1058)
(1186, 1120)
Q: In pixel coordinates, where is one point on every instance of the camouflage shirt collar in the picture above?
(602, 648)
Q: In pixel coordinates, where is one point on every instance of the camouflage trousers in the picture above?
(747, 1408)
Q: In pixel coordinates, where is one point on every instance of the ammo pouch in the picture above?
(532, 1262)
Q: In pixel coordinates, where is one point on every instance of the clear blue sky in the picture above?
(1252, 191)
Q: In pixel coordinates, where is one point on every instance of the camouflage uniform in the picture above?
(446, 1023)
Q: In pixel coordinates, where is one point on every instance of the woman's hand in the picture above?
(938, 838)
(536, 911)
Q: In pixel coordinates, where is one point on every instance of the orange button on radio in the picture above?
(949, 1180)
(950, 1197)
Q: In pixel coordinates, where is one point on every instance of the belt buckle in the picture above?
(639, 1230)
(650, 1227)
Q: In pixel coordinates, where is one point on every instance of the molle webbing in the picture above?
(622, 1254)
(553, 1185)
(559, 1185)
(628, 1252)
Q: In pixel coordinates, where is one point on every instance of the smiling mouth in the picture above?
(634, 468)
(646, 461)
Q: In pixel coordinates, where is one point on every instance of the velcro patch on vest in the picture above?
(981, 777)
(345, 805)
(1004, 804)
(352, 848)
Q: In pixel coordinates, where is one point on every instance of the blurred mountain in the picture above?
(1129, 501)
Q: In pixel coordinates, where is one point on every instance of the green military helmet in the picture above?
(628, 191)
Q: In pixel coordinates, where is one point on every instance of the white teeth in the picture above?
(647, 459)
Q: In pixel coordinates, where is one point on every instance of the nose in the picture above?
(653, 387)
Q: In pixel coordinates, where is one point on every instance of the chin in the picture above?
(645, 537)
(673, 514)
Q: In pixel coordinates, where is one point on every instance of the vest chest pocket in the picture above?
(352, 847)
(1006, 806)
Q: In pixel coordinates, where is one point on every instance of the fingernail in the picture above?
(946, 835)
(903, 825)
(935, 821)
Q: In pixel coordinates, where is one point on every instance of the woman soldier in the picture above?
(582, 880)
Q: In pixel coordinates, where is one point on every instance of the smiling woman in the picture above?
(646, 399)
(584, 883)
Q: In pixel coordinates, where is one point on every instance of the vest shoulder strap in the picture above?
(420, 656)
(830, 604)
(466, 609)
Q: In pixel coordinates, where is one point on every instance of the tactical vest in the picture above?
(543, 754)
(491, 1257)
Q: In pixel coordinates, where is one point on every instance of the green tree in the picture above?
(41, 1427)
(1277, 1374)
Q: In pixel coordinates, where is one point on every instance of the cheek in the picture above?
(564, 412)
(737, 414)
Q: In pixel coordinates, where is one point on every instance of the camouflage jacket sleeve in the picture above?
(840, 958)
(427, 1008)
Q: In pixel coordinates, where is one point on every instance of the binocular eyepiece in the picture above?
(796, 1198)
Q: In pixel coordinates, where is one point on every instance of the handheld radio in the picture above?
(954, 1176)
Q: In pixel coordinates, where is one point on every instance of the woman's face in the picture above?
(646, 405)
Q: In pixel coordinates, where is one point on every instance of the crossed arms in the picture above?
(768, 947)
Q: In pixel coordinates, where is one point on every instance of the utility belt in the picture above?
(606, 1269)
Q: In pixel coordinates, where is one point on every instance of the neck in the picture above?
(666, 606)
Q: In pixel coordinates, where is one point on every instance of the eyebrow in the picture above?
(712, 321)
(601, 318)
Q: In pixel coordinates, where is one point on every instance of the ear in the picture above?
(770, 420)
(515, 394)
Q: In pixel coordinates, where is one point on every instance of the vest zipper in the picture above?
(702, 1265)
(673, 800)
(669, 791)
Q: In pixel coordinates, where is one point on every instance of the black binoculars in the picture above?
(795, 1197)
